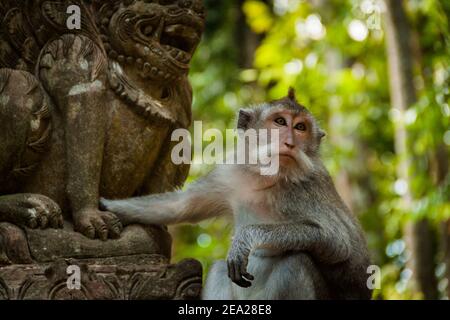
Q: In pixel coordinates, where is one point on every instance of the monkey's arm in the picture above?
(328, 245)
(206, 198)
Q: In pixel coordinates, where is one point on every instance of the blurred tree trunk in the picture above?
(247, 40)
(418, 236)
(439, 166)
(446, 248)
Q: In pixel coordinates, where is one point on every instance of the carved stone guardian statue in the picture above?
(86, 113)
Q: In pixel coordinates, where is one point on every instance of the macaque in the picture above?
(294, 238)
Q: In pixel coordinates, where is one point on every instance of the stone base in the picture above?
(24, 246)
(128, 277)
(34, 265)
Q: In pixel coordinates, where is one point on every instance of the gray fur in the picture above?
(280, 277)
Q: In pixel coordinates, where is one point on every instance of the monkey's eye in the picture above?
(281, 121)
(300, 126)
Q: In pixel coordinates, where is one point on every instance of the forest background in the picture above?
(376, 75)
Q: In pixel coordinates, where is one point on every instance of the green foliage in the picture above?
(258, 16)
(338, 66)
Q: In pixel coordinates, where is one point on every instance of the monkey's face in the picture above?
(296, 142)
(294, 132)
(298, 136)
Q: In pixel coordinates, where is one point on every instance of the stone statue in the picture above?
(88, 112)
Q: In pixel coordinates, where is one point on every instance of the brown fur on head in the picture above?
(290, 101)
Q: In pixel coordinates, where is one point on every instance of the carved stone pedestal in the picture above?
(126, 268)
(131, 277)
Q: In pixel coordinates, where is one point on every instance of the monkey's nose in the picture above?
(289, 145)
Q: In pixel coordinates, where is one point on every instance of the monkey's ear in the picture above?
(291, 94)
(244, 118)
(321, 134)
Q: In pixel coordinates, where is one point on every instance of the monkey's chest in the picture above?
(253, 211)
(132, 148)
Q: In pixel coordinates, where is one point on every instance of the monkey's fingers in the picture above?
(243, 283)
(234, 273)
(244, 274)
(230, 270)
(242, 268)
(247, 275)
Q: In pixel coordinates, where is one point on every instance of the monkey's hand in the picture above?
(237, 262)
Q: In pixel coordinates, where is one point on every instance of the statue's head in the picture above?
(157, 37)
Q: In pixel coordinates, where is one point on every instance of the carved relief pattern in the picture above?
(105, 279)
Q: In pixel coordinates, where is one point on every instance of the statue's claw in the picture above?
(31, 210)
(70, 65)
(94, 224)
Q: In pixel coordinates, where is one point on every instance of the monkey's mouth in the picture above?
(287, 155)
